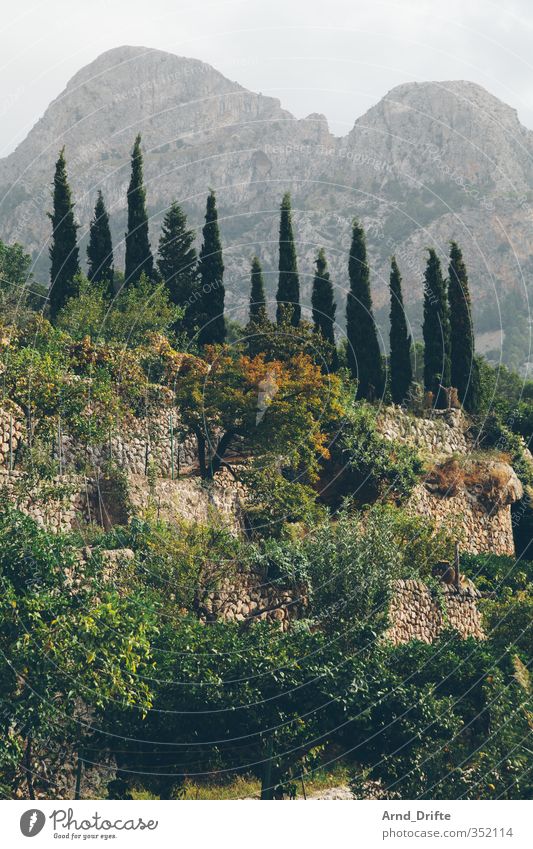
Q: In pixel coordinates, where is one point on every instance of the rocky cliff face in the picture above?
(430, 162)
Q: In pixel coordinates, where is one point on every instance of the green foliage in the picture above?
(139, 259)
(273, 502)
(436, 329)
(323, 303)
(364, 355)
(138, 311)
(373, 466)
(401, 372)
(211, 305)
(288, 294)
(100, 249)
(64, 253)
(178, 263)
(257, 311)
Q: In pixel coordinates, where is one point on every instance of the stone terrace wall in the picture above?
(71, 510)
(242, 596)
(417, 614)
(480, 530)
(136, 447)
(444, 433)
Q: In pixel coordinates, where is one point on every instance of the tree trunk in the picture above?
(27, 767)
(222, 447)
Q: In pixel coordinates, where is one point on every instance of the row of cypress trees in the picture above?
(193, 282)
(196, 283)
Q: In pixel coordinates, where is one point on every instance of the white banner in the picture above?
(250, 824)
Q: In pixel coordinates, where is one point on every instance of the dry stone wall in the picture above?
(479, 529)
(417, 613)
(60, 504)
(443, 432)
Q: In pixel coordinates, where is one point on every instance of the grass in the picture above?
(243, 787)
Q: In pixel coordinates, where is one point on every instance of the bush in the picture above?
(372, 465)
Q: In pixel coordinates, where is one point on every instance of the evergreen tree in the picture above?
(258, 311)
(464, 368)
(288, 295)
(323, 303)
(213, 328)
(178, 262)
(401, 371)
(100, 247)
(139, 257)
(64, 253)
(364, 356)
(436, 331)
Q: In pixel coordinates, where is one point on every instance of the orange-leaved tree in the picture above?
(279, 410)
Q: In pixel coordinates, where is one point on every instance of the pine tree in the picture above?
(213, 328)
(100, 247)
(139, 257)
(178, 262)
(401, 371)
(323, 303)
(64, 253)
(258, 311)
(436, 331)
(364, 356)
(288, 295)
(464, 369)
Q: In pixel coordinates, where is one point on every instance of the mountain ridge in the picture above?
(429, 162)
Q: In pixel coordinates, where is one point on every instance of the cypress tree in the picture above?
(100, 247)
(364, 356)
(401, 371)
(436, 331)
(464, 368)
(139, 257)
(323, 304)
(288, 295)
(64, 253)
(258, 311)
(178, 262)
(213, 328)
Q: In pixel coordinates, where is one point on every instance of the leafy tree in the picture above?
(288, 295)
(464, 369)
(364, 356)
(278, 409)
(323, 303)
(139, 259)
(213, 328)
(178, 263)
(19, 292)
(401, 371)
(436, 331)
(64, 253)
(54, 633)
(136, 312)
(258, 311)
(100, 248)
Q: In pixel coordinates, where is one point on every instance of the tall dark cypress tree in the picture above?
(258, 310)
(364, 355)
(288, 295)
(323, 303)
(178, 261)
(64, 252)
(436, 331)
(100, 247)
(139, 257)
(401, 370)
(213, 328)
(464, 368)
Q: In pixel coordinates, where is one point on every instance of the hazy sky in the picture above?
(332, 56)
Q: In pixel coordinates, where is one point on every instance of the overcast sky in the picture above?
(332, 56)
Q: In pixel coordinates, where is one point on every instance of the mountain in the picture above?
(430, 162)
